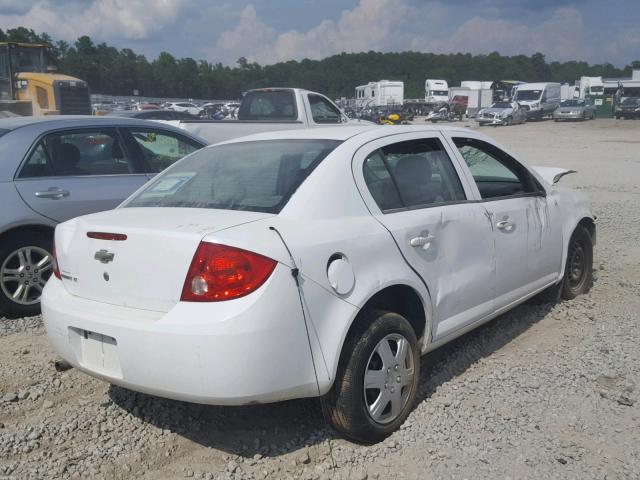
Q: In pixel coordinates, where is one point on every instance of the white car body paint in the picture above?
(284, 341)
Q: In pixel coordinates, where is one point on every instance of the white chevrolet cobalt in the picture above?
(310, 263)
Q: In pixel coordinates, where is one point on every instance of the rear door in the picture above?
(69, 173)
(415, 190)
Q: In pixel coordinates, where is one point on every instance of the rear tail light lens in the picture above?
(54, 261)
(219, 272)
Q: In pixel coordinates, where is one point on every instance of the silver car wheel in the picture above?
(389, 378)
(24, 273)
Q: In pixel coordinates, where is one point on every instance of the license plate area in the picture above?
(96, 352)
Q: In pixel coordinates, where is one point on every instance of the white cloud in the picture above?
(103, 19)
(397, 25)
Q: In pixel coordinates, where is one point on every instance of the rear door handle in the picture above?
(422, 241)
(54, 193)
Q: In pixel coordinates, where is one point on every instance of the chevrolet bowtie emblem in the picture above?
(104, 256)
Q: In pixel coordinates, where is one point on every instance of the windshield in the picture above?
(572, 103)
(257, 176)
(439, 93)
(501, 105)
(528, 95)
(25, 59)
(597, 89)
(631, 101)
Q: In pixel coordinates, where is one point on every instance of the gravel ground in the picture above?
(546, 391)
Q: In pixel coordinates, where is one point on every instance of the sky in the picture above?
(269, 31)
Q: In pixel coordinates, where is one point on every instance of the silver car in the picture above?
(575, 109)
(502, 113)
(56, 168)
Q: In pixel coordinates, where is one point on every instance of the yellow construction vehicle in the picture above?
(30, 86)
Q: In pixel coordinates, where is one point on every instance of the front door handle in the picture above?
(505, 225)
(422, 241)
(54, 193)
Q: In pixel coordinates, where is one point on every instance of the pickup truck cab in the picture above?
(272, 109)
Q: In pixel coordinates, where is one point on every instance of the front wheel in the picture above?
(25, 266)
(578, 275)
(377, 378)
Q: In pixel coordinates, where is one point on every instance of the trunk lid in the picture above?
(148, 269)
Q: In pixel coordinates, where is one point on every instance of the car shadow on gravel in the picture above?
(276, 429)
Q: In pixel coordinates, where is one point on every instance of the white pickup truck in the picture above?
(271, 109)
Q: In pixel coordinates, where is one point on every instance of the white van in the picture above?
(436, 91)
(540, 98)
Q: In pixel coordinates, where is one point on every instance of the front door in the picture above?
(512, 198)
(416, 193)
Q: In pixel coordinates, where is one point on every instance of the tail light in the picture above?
(219, 272)
(54, 261)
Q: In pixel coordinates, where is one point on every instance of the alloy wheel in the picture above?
(24, 273)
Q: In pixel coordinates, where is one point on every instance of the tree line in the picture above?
(108, 70)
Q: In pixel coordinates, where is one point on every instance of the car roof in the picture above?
(42, 124)
(342, 133)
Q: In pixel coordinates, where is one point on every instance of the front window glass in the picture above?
(439, 93)
(323, 111)
(495, 173)
(257, 176)
(159, 149)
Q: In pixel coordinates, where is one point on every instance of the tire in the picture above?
(578, 271)
(509, 121)
(23, 272)
(348, 405)
(556, 120)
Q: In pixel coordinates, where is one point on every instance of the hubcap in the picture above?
(576, 264)
(389, 378)
(24, 273)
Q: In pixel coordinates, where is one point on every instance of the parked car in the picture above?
(313, 263)
(628, 108)
(187, 107)
(154, 115)
(56, 168)
(502, 113)
(574, 109)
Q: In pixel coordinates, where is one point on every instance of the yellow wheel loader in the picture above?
(30, 86)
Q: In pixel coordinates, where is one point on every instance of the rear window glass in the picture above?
(256, 176)
(268, 105)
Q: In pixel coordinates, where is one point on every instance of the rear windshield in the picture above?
(268, 105)
(571, 103)
(257, 176)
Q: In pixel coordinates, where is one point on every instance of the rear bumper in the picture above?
(250, 350)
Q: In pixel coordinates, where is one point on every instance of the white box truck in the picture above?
(540, 98)
(476, 99)
(380, 94)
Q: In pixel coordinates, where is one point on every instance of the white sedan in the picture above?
(311, 263)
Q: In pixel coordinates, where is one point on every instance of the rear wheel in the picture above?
(578, 275)
(25, 266)
(508, 121)
(377, 378)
